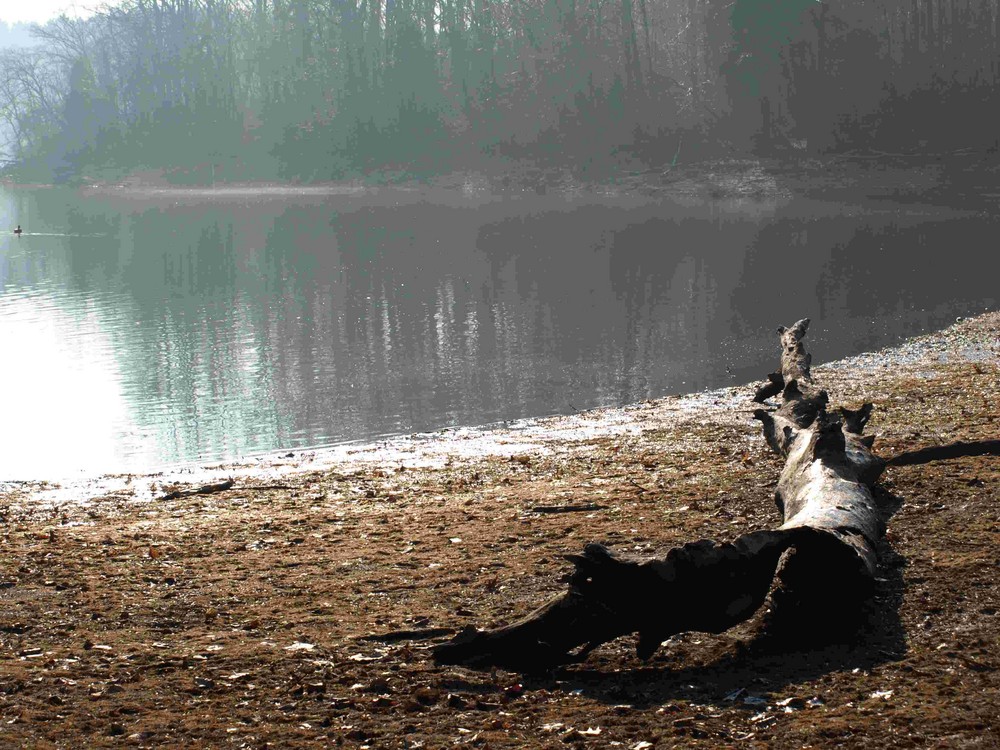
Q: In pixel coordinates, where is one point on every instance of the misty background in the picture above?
(325, 89)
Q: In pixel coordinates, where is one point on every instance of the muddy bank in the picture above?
(269, 614)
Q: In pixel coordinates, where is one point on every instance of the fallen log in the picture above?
(817, 567)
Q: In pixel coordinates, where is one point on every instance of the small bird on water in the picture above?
(18, 230)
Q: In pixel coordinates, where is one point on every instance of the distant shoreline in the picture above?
(962, 181)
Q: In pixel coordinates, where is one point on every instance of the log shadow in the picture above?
(751, 659)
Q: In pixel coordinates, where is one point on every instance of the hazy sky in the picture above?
(38, 11)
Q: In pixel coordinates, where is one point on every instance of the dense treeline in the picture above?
(316, 89)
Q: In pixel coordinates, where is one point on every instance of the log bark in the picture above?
(818, 565)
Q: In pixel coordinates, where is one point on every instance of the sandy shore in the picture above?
(252, 616)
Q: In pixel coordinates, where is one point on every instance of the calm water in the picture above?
(135, 336)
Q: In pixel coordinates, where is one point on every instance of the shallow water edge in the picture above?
(970, 340)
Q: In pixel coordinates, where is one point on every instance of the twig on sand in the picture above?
(205, 489)
(414, 634)
(567, 508)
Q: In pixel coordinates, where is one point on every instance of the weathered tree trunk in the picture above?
(818, 565)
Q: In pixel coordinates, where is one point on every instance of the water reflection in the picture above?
(140, 336)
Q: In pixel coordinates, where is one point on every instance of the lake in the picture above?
(140, 335)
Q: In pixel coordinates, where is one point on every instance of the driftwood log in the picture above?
(818, 566)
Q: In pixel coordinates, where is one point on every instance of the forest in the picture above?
(311, 90)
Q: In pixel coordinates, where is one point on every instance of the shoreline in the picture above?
(550, 435)
(907, 178)
(269, 612)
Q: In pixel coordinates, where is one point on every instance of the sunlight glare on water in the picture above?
(61, 391)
